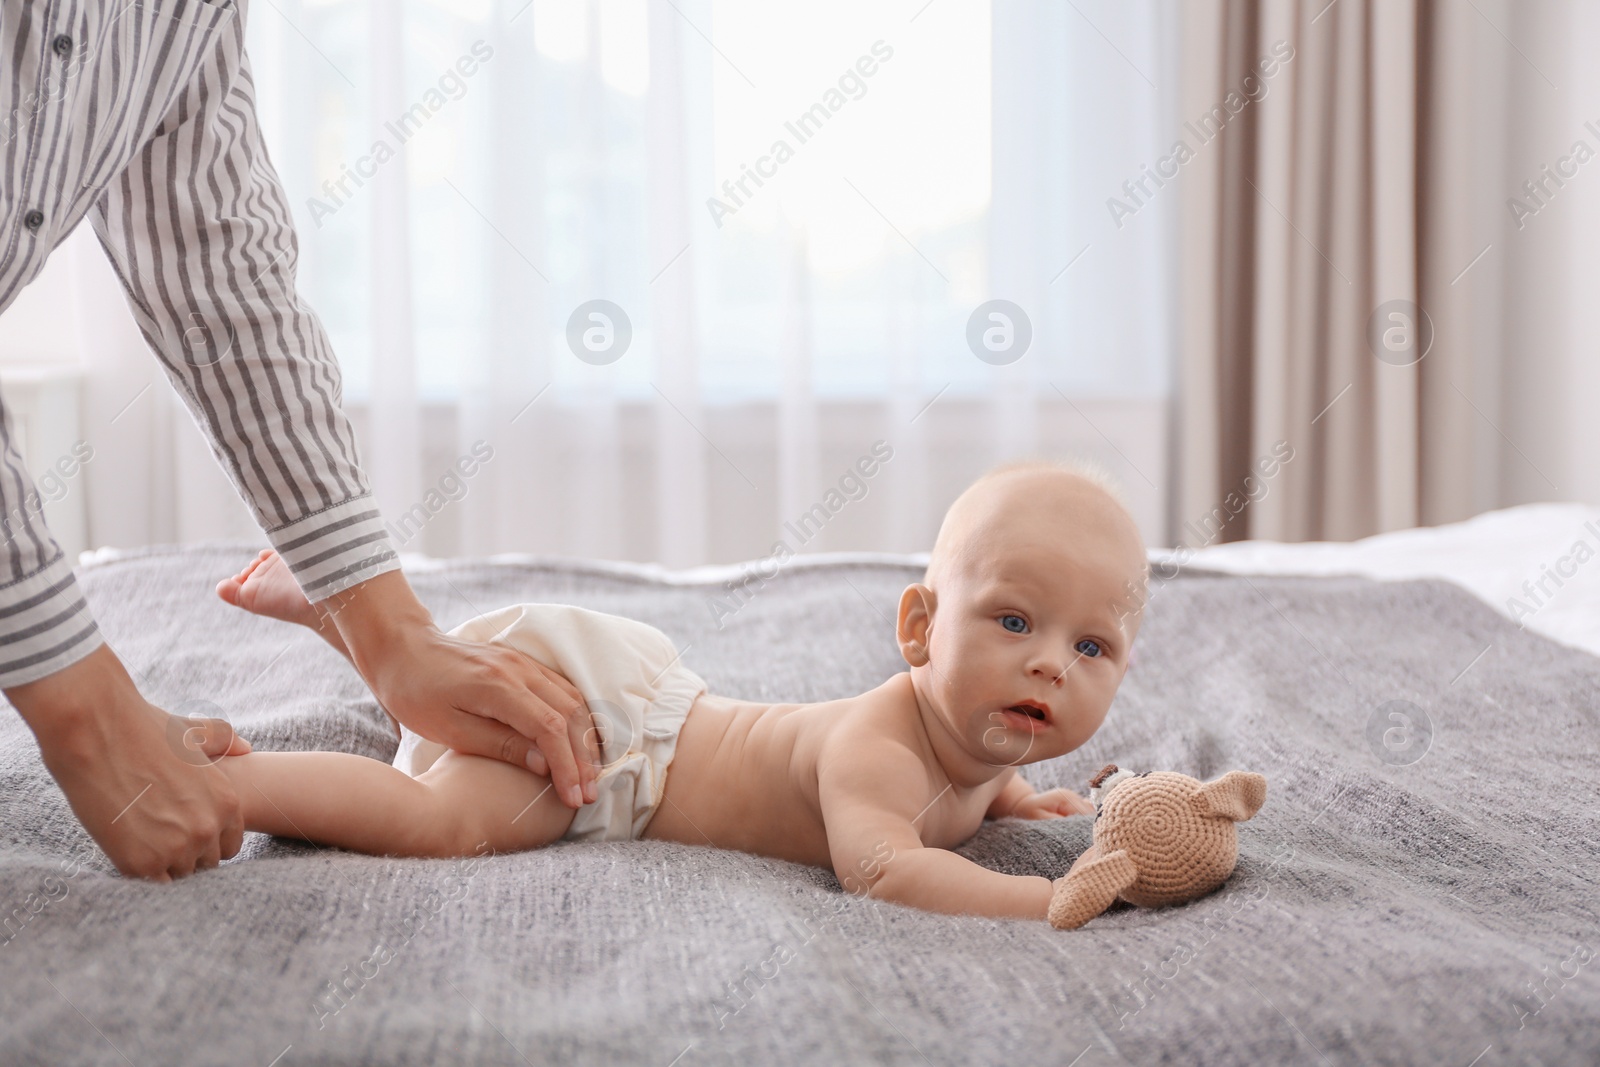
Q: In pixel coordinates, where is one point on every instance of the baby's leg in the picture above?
(265, 587)
(452, 809)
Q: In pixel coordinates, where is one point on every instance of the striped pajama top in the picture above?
(140, 114)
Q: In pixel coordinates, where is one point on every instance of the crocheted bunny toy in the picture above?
(1159, 838)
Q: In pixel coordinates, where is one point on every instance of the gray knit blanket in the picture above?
(1419, 888)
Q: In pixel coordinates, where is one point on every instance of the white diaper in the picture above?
(637, 691)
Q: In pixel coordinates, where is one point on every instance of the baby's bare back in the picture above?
(744, 775)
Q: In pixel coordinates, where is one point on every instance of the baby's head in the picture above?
(1019, 633)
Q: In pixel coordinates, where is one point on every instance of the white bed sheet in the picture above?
(1538, 564)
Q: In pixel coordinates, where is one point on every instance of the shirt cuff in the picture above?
(45, 624)
(336, 548)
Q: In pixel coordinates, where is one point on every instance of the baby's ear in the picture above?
(1237, 795)
(911, 627)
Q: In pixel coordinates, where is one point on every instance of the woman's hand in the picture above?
(141, 781)
(482, 698)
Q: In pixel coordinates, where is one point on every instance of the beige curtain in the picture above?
(1330, 185)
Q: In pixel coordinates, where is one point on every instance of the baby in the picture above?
(1016, 639)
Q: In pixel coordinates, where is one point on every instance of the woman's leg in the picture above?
(454, 808)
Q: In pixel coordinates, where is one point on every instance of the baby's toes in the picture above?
(250, 568)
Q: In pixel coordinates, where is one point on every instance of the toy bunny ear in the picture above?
(1237, 795)
(1090, 887)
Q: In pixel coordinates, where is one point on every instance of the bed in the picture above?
(1415, 890)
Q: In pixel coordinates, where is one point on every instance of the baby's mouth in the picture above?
(1029, 715)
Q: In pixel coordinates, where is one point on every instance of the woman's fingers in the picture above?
(559, 679)
(479, 735)
(560, 693)
(491, 699)
(531, 716)
(586, 746)
(209, 857)
(536, 762)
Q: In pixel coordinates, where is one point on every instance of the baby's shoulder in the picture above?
(879, 725)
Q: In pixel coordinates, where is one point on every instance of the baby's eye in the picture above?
(1015, 623)
(1093, 648)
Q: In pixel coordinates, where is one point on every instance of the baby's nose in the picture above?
(1053, 671)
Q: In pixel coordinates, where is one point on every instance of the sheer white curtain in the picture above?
(470, 176)
(828, 312)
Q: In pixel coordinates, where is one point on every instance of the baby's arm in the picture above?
(1019, 800)
(871, 805)
(365, 805)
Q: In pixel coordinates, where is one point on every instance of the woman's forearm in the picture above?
(371, 617)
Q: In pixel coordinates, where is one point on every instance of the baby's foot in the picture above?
(265, 587)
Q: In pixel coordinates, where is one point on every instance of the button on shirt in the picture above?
(142, 117)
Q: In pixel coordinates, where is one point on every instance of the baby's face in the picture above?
(1032, 623)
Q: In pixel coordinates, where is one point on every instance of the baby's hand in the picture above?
(1054, 804)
